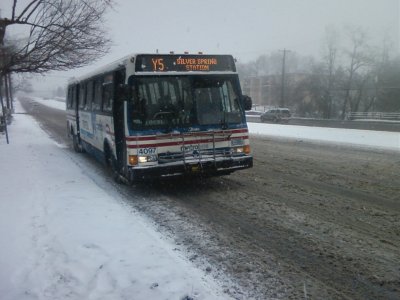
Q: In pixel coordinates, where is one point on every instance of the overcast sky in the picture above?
(246, 28)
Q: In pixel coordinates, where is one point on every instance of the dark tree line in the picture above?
(350, 76)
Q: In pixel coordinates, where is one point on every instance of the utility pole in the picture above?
(282, 103)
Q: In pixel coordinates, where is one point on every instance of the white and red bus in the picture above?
(155, 115)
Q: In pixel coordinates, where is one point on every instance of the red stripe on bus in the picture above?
(192, 134)
(178, 143)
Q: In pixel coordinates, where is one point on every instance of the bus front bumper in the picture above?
(193, 168)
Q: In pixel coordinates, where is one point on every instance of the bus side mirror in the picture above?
(123, 91)
(247, 102)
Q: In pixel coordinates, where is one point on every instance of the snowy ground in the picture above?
(65, 236)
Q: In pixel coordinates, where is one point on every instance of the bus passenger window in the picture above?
(89, 95)
(70, 97)
(97, 95)
(108, 92)
(74, 95)
(82, 96)
(107, 97)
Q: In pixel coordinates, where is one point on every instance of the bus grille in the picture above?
(195, 151)
(199, 155)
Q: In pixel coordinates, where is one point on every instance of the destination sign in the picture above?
(184, 63)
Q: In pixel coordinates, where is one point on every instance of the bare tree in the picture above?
(330, 54)
(358, 58)
(63, 34)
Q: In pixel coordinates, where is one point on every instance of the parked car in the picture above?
(276, 115)
(253, 113)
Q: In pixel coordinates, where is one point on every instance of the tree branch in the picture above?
(13, 9)
(64, 34)
(28, 7)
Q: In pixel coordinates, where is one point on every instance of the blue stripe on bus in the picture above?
(87, 133)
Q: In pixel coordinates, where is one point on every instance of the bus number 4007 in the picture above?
(146, 151)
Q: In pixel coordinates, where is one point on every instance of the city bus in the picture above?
(158, 115)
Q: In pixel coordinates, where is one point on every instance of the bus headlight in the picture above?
(238, 150)
(245, 149)
(147, 158)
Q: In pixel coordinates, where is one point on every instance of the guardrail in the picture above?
(373, 116)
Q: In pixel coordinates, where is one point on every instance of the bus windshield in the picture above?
(182, 101)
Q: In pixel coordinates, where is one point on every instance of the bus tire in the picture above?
(111, 163)
(75, 141)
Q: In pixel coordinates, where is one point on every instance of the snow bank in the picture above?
(53, 103)
(369, 138)
(63, 236)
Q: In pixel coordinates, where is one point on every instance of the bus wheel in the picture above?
(111, 164)
(77, 145)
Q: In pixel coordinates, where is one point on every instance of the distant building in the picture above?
(259, 88)
(266, 90)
